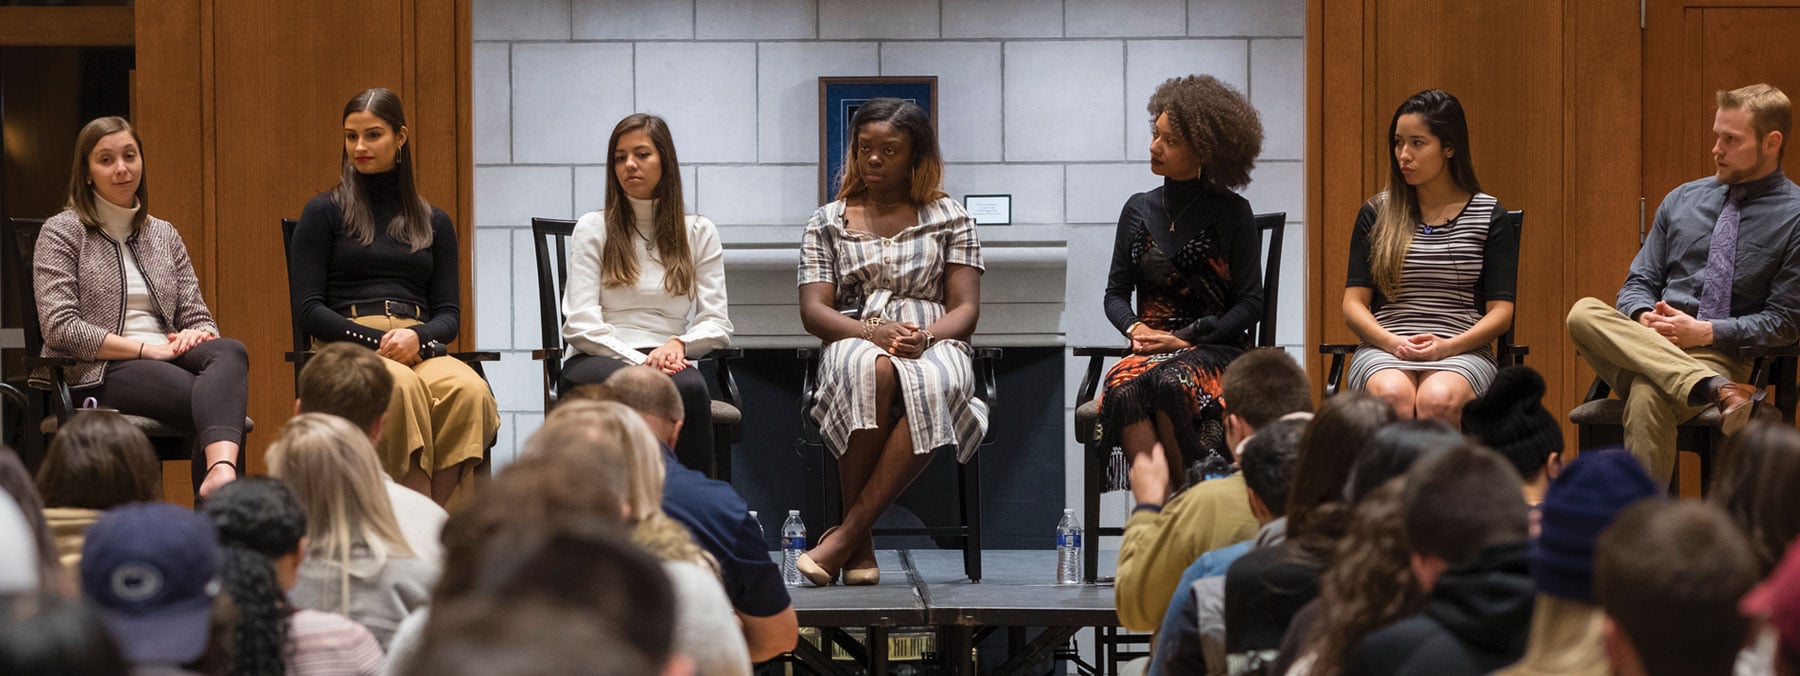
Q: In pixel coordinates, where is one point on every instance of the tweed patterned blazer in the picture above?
(79, 276)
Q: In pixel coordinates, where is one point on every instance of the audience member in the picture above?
(584, 566)
(357, 561)
(96, 462)
(1758, 486)
(261, 529)
(1465, 519)
(352, 382)
(499, 638)
(1369, 584)
(21, 569)
(714, 514)
(44, 634)
(1566, 636)
(1193, 634)
(706, 628)
(1775, 604)
(1669, 575)
(17, 482)
(1164, 533)
(1510, 419)
(150, 570)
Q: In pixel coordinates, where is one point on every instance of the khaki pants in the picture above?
(440, 409)
(1652, 375)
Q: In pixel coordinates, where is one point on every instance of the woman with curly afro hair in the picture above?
(1433, 269)
(1191, 253)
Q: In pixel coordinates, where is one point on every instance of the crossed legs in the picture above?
(876, 466)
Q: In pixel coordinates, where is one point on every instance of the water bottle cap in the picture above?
(1069, 512)
(793, 512)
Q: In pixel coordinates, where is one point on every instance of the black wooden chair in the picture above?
(550, 240)
(822, 464)
(1087, 406)
(1598, 420)
(1506, 352)
(170, 442)
(303, 348)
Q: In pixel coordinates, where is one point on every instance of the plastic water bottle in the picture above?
(1068, 549)
(759, 529)
(793, 543)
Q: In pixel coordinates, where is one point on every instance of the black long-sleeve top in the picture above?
(329, 270)
(1213, 293)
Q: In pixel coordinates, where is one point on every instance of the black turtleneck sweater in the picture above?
(328, 270)
(1228, 296)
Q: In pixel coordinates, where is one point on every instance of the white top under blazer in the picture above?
(627, 322)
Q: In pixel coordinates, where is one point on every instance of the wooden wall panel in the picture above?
(247, 97)
(1531, 89)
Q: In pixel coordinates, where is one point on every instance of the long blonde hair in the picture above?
(618, 265)
(331, 466)
(1397, 207)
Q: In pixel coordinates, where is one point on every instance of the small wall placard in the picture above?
(989, 209)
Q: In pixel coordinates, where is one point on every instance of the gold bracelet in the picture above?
(1131, 328)
(869, 325)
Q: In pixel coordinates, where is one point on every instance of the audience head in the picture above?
(109, 160)
(1213, 123)
(641, 164)
(98, 460)
(1338, 435)
(1369, 582)
(1510, 419)
(330, 466)
(525, 638)
(1669, 574)
(1268, 465)
(552, 489)
(42, 634)
(151, 570)
(617, 435)
(1776, 601)
(18, 483)
(1431, 133)
(648, 391)
(884, 124)
(1258, 388)
(1758, 485)
(21, 570)
(346, 380)
(1771, 119)
(260, 523)
(1394, 449)
(583, 565)
(1580, 504)
(1458, 503)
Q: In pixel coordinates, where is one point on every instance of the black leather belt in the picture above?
(390, 308)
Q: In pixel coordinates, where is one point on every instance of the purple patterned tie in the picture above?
(1721, 256)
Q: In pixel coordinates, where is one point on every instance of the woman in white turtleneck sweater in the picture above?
(117, 293)
(647, 281)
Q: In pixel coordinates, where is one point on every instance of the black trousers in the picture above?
(694, 448)
(204, 393)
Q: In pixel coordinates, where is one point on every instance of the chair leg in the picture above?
(968, 484)
(721, 460)
(1090, 517)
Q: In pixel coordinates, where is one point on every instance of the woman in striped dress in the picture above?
(890, 281)
(1432, 269)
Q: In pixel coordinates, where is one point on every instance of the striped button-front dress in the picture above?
(1440, 287)
(900, 278)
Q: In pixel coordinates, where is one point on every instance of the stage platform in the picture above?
(926, 589)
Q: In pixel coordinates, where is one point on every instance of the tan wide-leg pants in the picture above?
(440, 409)
(1652, 375)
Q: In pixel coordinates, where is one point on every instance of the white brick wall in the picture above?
(1040, 99)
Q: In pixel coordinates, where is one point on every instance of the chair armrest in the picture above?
(32, 362)
(988, 352)
(297, 356)
(469, 357)
(809, 377)
(1597, 390)
(551, 353)
(1518, 350)
(721, 354)
(1338, 348)
(1103, 352)
(1758, 351)
(1090, 378)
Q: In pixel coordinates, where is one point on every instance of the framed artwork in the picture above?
(841, 97)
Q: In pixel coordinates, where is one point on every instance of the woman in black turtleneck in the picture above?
(1191, 252)
(374, 264)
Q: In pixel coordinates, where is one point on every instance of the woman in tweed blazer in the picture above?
(116, 291)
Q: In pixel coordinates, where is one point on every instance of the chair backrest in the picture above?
(1515, 221)
(21, 248)
(1276, 225)
(287, 258)
(550, 243)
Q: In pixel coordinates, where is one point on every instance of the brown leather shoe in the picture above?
(1736, 402)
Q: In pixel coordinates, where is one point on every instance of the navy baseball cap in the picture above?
(151, 569)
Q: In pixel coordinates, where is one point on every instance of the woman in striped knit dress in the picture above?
(1432, 269)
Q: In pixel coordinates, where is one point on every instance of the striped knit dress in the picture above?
(1451, 272)
(902, 279)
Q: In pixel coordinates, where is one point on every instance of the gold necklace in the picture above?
(1184, 210)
